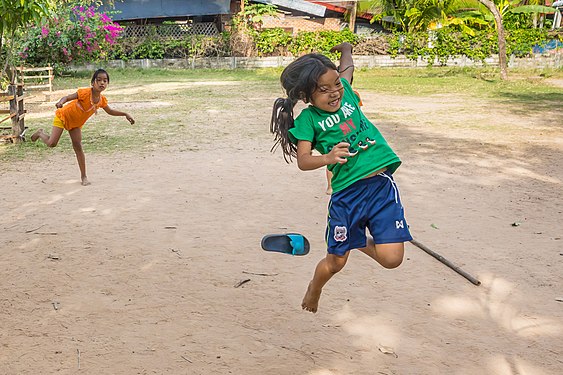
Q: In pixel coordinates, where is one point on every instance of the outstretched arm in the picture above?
(65, 99)
(114, 112)
(346, 68)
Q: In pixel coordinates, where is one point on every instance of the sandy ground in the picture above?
(141, 272)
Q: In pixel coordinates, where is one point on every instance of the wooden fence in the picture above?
(15, 112)
(37, 79)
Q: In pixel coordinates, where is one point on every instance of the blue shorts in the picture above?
(371, 203)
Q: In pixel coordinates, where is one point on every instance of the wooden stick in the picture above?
(446, 262)
(33, 230)
(260, 274)
(241, 283)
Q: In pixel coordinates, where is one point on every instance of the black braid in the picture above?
(299, 79)
(282, 121)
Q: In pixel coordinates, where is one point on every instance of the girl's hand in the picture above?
(338, 154)
(342, 47)
(130, 119)
(60, 103)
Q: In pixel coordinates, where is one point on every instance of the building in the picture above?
(213, 16)
(301, 15)
(190, 16)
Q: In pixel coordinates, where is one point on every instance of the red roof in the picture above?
(341, 9)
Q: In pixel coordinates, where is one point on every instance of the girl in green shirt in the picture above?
(365, 196)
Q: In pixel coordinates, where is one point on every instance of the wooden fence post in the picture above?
(21, 112)
(17, 112)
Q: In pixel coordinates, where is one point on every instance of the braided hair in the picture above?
(299, 80)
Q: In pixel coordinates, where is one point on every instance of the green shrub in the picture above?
(76, 35)
(158, 48)
(85, 35)
(320, 41)
(271, 40)
(444, 44)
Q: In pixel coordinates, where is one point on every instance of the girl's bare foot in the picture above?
(311, 299)
(35, 135)
(85, 181)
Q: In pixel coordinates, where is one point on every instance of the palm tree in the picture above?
(433, 14)
(533, 7)
(502, 60)
(420, 15)
(416, 15)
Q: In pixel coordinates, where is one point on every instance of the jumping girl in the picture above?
(361, 162)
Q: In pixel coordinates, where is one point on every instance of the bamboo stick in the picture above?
(472, 279)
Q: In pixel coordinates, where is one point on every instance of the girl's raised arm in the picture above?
(346, 68)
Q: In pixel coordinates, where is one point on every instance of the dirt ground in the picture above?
(156, 268)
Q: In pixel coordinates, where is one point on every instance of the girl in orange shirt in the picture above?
(82, 104)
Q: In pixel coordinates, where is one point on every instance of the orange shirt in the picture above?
(358, 95)
(75, 113)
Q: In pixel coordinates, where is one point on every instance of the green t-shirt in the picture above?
(349, 124)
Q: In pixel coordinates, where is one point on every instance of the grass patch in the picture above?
(147, 76)
(190, 109)
(483, 83)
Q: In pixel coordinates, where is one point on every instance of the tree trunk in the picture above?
(502, 61)
(353, 12)
(8, 69)
(16, 109)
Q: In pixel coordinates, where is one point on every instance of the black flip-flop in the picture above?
(289, 243)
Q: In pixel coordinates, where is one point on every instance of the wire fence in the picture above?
(170, 31)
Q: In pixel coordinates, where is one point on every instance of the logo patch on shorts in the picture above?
(339, 234)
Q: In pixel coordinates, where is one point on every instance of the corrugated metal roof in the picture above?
(139, 9)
